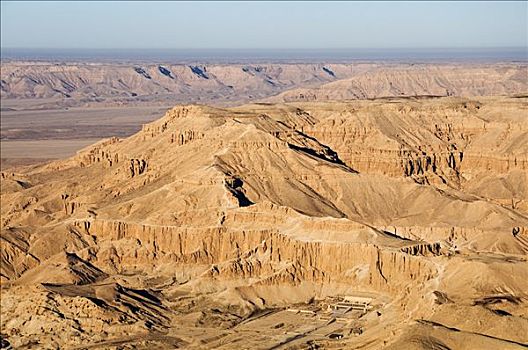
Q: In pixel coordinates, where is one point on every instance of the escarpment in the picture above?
(427, 143)
(107, 83)
(416, 81)
(113, 84)
(269, 249)
(355, 218)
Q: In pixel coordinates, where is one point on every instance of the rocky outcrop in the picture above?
(257, 253)
(117, 83)
(185, 136)
(98, 153)
(214, 216)
(427, 143)
(15, 254)
(419, 81)
(137, 167)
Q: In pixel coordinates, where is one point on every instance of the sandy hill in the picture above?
(373, 224)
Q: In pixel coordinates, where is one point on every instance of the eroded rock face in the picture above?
(256, 253)
(418, 80)
(112, 84)
(249, 210)
(431, 144)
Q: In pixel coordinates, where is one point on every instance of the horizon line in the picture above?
(270, 48)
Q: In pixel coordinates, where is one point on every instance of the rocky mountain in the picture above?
(111, 84)
(373, 224)
(89, 83)
(419, 80)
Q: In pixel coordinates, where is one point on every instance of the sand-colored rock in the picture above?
(68, 84)
(419, 80)
(87, 84)
(241, 227)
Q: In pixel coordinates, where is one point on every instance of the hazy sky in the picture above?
(263, 24)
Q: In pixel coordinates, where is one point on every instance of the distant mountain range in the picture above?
(85, 84)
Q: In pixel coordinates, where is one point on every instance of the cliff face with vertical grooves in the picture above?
(422, 203)
(268, 254)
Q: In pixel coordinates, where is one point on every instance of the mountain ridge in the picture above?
(209, 217)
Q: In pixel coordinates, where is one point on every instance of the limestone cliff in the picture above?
(256, 208)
